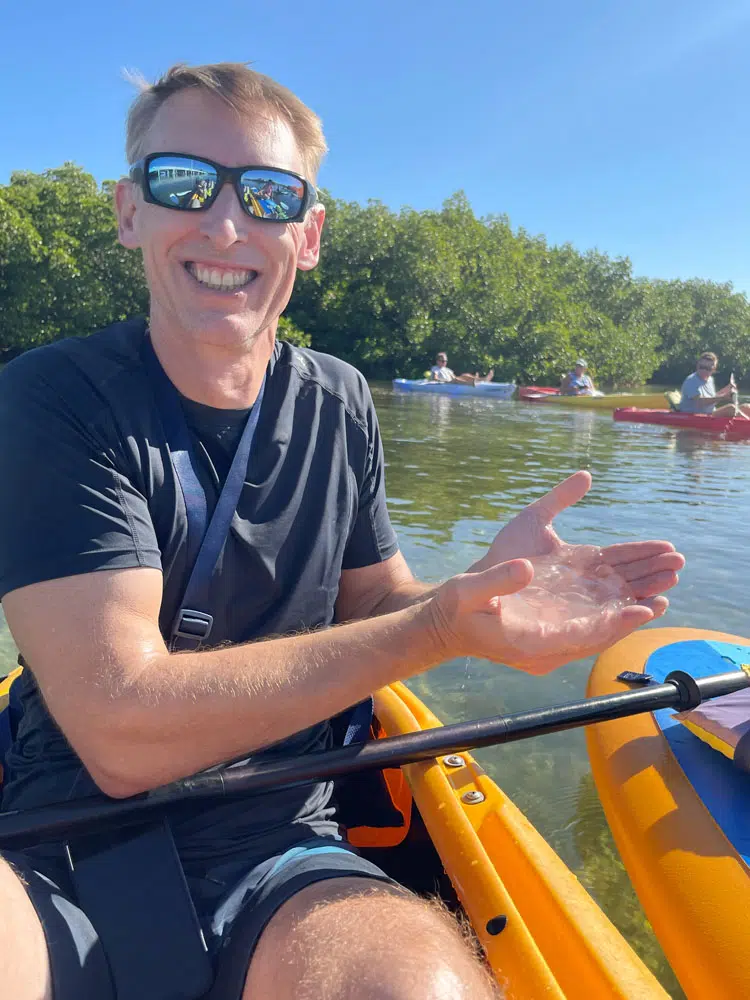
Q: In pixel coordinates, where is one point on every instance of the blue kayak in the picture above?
(494, 390)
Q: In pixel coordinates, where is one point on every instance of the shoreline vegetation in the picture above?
(392, 289)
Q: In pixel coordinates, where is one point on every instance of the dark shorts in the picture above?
(79, 967)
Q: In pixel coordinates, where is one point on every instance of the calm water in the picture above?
(457, 469)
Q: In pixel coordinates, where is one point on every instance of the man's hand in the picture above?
(593, 597)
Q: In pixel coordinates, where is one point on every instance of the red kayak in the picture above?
(532, 392)
(732, 428)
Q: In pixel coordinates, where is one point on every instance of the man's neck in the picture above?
(227, 379)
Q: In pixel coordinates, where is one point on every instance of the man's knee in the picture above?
(24, 963)
(348, 939)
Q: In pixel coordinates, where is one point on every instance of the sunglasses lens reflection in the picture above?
(181, 182)
(272, 194)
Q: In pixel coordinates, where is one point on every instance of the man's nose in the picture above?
(225, 222)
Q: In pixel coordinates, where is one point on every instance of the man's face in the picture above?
(705, 368)
(442, 359)
(224, 237)
(579, 370)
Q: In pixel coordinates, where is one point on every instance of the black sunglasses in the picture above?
(184, 182)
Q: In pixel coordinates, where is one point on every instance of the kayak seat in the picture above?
(674, 398)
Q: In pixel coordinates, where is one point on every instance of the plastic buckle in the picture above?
(194, 625)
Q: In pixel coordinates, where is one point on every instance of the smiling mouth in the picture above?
(220, 279)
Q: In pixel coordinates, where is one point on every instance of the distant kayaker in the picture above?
(577, 382)
(440, 372)
(699, 393)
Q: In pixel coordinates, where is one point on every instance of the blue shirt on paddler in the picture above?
(580, 382)
(695, 388)
(87, 484)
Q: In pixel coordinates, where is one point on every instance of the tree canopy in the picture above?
(391, 290)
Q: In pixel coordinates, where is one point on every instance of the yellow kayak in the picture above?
(642, 400)
(556, 942)
(679, 812)
(543, 935)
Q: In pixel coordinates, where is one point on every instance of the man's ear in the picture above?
(309, 249)
(125, 208)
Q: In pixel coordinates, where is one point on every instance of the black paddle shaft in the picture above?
(58, 822)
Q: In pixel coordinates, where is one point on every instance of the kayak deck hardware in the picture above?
(454, 760)
(496, 925)
(633, 677)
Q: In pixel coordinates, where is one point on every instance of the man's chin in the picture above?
(227, 331)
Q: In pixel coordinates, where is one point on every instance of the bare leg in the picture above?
(352, 939)
(24, 964)
(468, 379)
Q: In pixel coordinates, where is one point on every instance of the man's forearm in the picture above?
(192, 710)
(406, 595)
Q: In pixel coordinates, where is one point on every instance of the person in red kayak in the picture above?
(698, 393)
(115, 450)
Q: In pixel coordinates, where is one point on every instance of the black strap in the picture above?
(193, 622)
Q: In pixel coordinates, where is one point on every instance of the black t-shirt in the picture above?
(86, 484)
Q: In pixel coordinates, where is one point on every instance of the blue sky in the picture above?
(610, 124)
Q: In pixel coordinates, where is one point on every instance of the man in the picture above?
(93, 564)
(577, 382)
(440, 372)
(699, 395)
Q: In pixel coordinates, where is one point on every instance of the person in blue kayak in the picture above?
(699, 395)
(440, 372)
(577, 382)
(147, 662)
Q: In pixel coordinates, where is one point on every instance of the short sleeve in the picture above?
(373, 538)
(67, 503)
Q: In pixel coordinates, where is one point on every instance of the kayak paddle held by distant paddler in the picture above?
(188, 507)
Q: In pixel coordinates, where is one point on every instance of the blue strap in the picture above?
(192, 625)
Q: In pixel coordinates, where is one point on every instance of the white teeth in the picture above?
(220, 280)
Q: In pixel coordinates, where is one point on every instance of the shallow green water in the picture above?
(457, 469)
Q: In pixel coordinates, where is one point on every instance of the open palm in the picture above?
(502, 613)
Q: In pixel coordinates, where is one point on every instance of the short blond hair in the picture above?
(242, 88)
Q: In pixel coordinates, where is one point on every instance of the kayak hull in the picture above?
(556, 942)
(646, 401)
(691, 879)
(491, 390)
(733, 428)
(533, 392)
